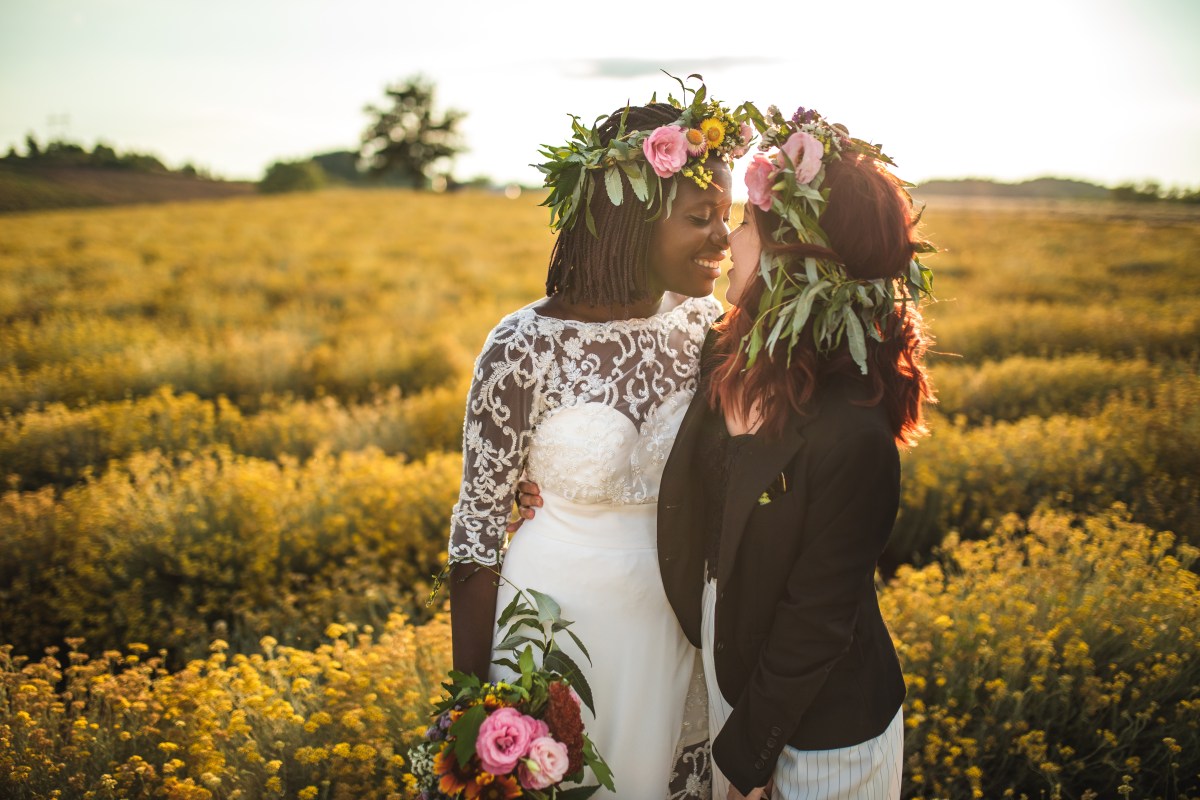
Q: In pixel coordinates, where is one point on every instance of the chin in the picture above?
(702, 290)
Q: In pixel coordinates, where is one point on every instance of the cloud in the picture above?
(636, 67)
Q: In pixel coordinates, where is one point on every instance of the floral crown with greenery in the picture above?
(789, 184)
(645, 158)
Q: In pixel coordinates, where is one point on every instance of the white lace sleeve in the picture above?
(496, 436)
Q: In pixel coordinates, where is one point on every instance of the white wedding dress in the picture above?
(589, 411)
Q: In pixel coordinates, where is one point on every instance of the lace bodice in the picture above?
(588, 410)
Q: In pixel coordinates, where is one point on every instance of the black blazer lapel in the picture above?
(680, 529)
(760, 461)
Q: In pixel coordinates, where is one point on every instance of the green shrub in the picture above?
(293, 176)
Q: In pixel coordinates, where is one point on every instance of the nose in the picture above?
(720, 235)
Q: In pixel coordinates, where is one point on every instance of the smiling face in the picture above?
(687, 247)
(745, 247)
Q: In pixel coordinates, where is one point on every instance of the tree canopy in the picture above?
(406, 139)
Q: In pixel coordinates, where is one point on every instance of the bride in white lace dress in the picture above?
(583, 392)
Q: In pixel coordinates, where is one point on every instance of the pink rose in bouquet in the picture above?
(545, 765)
(805, 152)
(504, 739)
(666, 149)
(760, 176)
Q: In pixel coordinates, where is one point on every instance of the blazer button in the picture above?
(759, 764)
(771, 742)
(776, 731)
(765, 754)
(720, 645)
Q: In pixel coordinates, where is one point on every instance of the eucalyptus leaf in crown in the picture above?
(789, 184)
(645, 158)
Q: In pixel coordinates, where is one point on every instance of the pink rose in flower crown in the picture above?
(545, 765)
(667, 150)
(760, 176)
(504, 739)
(805, 151)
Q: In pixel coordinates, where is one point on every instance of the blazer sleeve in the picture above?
(853, 496)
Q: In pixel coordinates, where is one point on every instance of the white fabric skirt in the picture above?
(867, 771)
(600, 563)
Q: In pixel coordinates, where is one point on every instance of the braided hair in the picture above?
(610, 268)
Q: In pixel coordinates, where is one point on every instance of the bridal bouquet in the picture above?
(524, 738)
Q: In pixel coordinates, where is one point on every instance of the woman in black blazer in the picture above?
(784, 481)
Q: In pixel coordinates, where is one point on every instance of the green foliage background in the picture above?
(241, 419)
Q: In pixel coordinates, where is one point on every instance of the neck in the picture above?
(604, 313)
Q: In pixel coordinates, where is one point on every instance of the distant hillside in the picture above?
(1043, 188)
(27, 188)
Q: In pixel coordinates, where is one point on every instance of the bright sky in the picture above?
(1102, 90)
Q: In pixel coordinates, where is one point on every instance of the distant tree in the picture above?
(340, 165)
(104, 156)
(32, 149)
(292, 176)
(1132, 193)
(407, 140)
(142, 162)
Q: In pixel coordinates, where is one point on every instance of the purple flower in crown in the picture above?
(803, 116)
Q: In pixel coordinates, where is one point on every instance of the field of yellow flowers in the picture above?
(229, 437)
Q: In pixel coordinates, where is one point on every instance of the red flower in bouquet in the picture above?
(451, 777)
(563, 718)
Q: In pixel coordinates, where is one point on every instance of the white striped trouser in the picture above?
(866, 771)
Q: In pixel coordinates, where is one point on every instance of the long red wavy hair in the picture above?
(872, 232)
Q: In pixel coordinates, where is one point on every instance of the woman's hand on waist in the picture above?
(529, 497)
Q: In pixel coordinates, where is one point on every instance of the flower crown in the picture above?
(789, 184)
(645, 158)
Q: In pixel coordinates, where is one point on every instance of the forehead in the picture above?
(719, 193)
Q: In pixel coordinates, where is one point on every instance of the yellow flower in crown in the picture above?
(645, 161)
(713, 131)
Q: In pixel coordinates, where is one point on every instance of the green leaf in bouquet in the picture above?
(507, 662)
(525, 660)
(564, 665)
(465, 731)
(515, 640)
(578, 642)
(547, 609)
(597, 764)
(509, 610)
(464, 680)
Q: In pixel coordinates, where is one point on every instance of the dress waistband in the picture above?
(604, 525)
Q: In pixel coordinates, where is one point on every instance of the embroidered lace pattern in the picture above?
(588, 410)
(691, 773)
